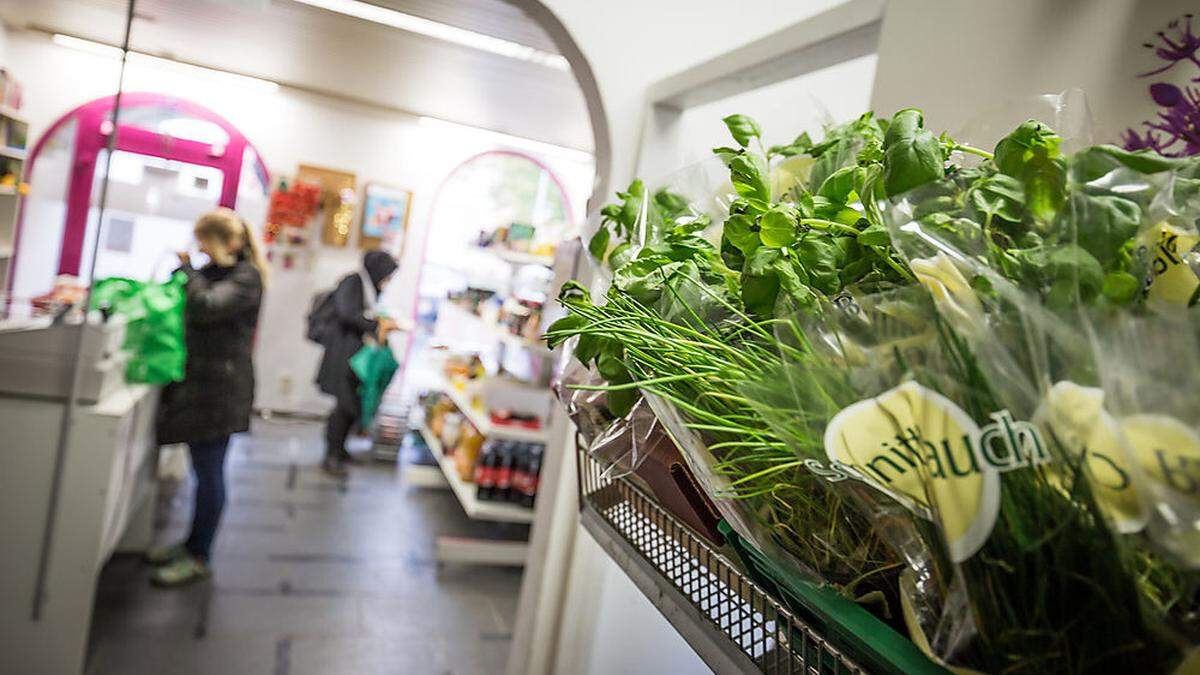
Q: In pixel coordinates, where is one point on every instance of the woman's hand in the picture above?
(384, 326)
(185, 258)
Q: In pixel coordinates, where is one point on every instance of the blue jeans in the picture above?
(208, 463)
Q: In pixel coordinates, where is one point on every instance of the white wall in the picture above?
(289, 127)
(965, 61)
(631, 44)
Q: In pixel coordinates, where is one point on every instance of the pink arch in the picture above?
(437, 195)
(91, 138)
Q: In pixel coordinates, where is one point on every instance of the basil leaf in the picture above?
(840, 185)
(643, 279)
(777, 227)
(912, 155)
(749, 174)
(821, 259)
(1064, 264)
(598, 246)
(999, 196)
(620, 256)
(742, 232)
(742, 128)
(1119, 288)
(802, 145)
(875, 235)
(588, 348)
(621, 402)
(1094, 162)
(1031, 155)
(760, 281)
(1106, 223)
(611, 368)
(569, 325)
(672, 204)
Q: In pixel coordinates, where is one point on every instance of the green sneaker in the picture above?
(164, 555)
(183, 571)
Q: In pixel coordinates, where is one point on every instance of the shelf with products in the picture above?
(17, 154)
(481, 419)
(519, 257)
(14, 136)
(10, 113)
(517, 244)
(467, 493)
(478, 325)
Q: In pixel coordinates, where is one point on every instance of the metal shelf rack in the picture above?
(731, 622)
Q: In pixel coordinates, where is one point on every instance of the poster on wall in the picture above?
(384, 216)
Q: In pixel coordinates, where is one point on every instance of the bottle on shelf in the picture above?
(504, 471)
(484, 476)
(533, 473)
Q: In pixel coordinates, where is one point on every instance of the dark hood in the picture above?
(378, 266)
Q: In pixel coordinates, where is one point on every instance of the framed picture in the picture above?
(337, 201)
(384, 215)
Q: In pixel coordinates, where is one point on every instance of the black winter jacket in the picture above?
(345, 339)
(217, 392)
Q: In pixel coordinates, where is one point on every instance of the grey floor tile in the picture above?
(224, 655)
(311, 576)
(367, 656)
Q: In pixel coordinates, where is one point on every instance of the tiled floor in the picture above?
(312, 576)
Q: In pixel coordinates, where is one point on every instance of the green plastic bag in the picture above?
(154, 332)
(374, 365)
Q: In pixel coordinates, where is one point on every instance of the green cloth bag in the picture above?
(154, 331)
(374, 365)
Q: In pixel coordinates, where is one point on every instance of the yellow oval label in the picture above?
(1172, 280)
(1076, 416)
(1168, 452)
(920, 448)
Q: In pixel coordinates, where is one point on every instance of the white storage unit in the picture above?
(106, 504)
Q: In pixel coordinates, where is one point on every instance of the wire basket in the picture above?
(731, 622)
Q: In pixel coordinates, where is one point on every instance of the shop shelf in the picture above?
(8, 113)
(731, 622)
(482, 422)
(465, 492)
(519, 257)
(13, 153)
(498, 332)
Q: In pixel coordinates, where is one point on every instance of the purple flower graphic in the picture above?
(1175, 132)
(1182, 48)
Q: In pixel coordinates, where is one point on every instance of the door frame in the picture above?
(92, 135)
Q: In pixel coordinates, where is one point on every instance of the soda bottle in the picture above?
(520, 472)
(504, 472)
(485, 478)
(534, 471)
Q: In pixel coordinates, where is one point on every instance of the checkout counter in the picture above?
(107, 492)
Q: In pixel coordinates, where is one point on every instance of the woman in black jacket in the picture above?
(354, 310)
(214, 399)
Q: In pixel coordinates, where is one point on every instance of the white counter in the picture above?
(106, 504)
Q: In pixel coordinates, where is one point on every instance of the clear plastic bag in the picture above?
(620, 444)
(1017, 326)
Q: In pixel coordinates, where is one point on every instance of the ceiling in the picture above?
(319, 50)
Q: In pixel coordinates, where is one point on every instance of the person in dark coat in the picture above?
(214, 399)
(355, 318)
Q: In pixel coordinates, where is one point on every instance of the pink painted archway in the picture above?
(437, 195)
(94, 125)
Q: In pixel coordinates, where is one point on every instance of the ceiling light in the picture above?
(440, 31)
(97, 48)
(143, 59)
